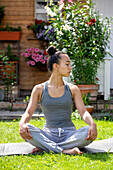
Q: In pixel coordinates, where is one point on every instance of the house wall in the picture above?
(21, 13)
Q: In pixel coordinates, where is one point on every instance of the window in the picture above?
(40, 12)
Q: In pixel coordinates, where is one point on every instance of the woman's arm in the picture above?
(84, 113)
(35, 97)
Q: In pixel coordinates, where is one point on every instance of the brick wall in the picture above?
(21, 12)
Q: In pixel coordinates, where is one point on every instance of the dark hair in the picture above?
(54, 57)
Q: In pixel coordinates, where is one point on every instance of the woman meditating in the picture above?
(56, 98)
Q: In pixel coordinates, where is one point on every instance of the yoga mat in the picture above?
(101, 146)
(24, 148)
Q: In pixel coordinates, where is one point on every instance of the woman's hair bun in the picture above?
(51, 50)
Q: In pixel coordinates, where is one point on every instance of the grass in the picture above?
(10, 133)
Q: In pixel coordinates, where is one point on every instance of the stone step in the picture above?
(13, 115)
(99, 106)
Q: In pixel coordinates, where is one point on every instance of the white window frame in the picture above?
(41, 11)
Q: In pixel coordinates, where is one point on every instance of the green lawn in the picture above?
(9, 132)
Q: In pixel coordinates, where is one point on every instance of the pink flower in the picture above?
(26, 55)
(23, 54)
(43, 61)
(32, 63)
(70, 1)
(41, 56)
(46, 58)
(40, 60)
(32, 49)
(33, 57)
(60, 2)
(37, 55)
(29, 54)
(36, 50)
(37, 60)
(29, 62)
(28, 50)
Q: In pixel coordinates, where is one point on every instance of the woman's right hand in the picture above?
(24, 132)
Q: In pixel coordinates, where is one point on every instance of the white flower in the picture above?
(61, 6)
(59, 32)
(51, 2)
(86, 6)
(66, 27)
(64, 50)
(73, 33)
(49, 11)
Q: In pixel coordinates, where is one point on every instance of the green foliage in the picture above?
(76, 115)
(86, 98)
(26, 100)
(10, 133)
(2, 13)
(80, 30)
(8, 55)
(9, 28)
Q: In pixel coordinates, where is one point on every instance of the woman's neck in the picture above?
(56, 80)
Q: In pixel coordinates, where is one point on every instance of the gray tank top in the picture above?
(57, 110)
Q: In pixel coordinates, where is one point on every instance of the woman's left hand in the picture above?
(92, 133)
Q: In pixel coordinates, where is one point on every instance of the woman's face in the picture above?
(64, 66)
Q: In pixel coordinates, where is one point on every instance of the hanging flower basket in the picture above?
(36, 58)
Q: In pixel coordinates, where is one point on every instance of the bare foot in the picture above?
(74, 151)
(36, 150)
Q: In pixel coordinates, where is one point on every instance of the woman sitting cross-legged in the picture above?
(56, 98)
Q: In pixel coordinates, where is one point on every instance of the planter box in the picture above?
(10, 35)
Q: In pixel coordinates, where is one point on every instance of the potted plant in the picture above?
(36, 58)
(81, 32)
(9, 33)
(43, 31)
(1, 13)
(86, 100)
(8, 72)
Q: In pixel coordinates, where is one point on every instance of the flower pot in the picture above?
(10, 35)
(90, 109)
(92, 88)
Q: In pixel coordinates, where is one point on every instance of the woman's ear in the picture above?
(55, 66)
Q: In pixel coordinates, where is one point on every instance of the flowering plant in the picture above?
(81, 32)
(35, 57)
(42, 30)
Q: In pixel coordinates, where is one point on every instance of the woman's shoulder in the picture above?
(39, 87)
(72, 86)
